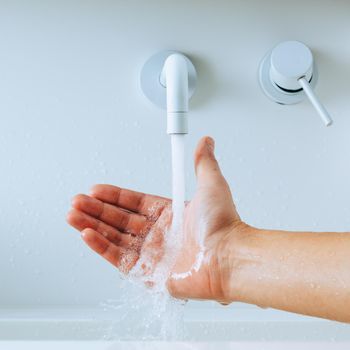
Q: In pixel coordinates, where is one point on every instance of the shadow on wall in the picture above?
(209, 85)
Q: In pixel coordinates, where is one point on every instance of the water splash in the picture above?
(146, 307)
(145, 315)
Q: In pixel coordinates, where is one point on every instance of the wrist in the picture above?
(236, 253)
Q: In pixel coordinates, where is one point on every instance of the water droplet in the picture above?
(27, 252)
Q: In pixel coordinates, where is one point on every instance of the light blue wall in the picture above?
(72, 114)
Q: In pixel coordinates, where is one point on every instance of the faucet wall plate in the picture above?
(276, 94)
(150, 78)
(288, 74)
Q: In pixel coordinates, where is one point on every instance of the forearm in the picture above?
(302, 272)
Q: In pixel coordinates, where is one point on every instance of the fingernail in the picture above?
(210, 143)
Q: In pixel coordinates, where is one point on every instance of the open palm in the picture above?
(128, 228)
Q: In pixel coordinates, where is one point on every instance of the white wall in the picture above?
(72, 114)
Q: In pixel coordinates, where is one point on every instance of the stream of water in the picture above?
(178, 179)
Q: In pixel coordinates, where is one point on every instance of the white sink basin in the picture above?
(98, 329)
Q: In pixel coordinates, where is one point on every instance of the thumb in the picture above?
(206, 165)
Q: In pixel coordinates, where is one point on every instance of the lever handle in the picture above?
(322, 112)
(288, 74)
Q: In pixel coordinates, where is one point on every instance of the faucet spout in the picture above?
(174, 77)
(168, 79)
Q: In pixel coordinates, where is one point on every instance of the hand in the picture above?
(128, 228)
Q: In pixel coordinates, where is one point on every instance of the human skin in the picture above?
(301, 272)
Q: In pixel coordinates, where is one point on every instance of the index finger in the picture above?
(138, 202)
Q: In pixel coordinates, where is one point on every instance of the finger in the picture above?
(206, 165)
(118, 218)
(81, 221)
(137, 202)
(122, 258)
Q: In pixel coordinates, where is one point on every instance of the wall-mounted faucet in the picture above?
(168, 79)
(288, 74)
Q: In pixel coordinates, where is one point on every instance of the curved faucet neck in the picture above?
(174, 77)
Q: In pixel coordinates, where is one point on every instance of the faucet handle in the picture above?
(288, 73)
(309, 92)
